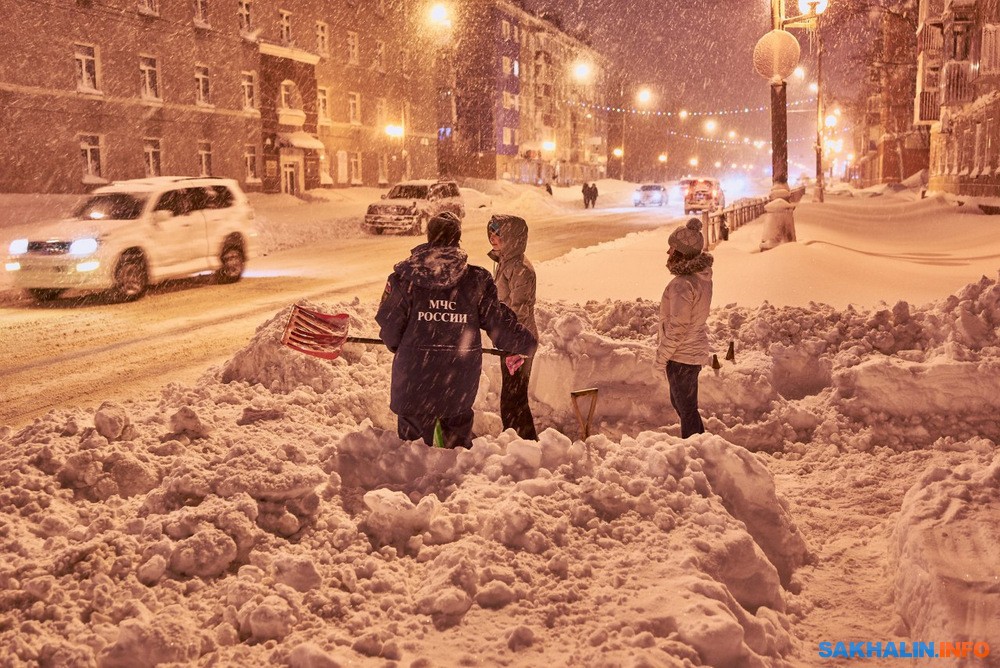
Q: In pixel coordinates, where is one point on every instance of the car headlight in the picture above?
(18, 247)
(84, 246)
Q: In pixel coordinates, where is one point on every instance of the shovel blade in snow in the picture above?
(318, 334)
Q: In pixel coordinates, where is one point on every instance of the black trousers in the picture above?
(514, 410)
(683, 379)
(456, 429)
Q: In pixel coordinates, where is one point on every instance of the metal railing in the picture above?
(718, 224)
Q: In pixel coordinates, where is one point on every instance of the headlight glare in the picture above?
(83, 246)
(18, 247)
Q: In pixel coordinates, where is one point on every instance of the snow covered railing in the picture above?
(718, 224)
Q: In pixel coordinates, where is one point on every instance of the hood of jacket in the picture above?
(678, 265)
(514, 232)
(434, 267)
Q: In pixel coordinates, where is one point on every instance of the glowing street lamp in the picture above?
(582, 72)
(439, 15)
(394, 130)
(548, 145)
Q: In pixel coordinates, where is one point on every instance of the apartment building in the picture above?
(520, 112)
(889, 147)
(282, 95)
(958, 93)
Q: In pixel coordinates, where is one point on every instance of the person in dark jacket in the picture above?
(515, 279)
(431, 314)
(593, 195)
(586, 194)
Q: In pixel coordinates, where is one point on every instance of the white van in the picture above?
(131, 234)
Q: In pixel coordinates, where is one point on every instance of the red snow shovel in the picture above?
(324, 334)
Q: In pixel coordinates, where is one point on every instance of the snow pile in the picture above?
(944, 553)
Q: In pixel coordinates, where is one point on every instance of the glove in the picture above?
(513, 363)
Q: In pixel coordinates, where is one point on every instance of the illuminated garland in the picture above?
(683, 113)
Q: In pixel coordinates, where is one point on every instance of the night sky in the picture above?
(697, 55)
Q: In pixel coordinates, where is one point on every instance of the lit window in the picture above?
(205, 158)
(250, 162)
(323, 105)
(354, 108)
(379, 61)
(149, 78)
(90, 152)
(202, 91)
(86, 68)
(151, 152)
(249, 90)
(355, 175)
(201, 11)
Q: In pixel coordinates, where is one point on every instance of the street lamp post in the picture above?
(440, 19)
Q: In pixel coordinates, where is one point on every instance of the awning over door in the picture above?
(300, 140)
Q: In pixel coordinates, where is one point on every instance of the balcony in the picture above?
(928, 107)
(956, 85)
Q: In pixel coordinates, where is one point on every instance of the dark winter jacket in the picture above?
(431, 314)
(514, 275)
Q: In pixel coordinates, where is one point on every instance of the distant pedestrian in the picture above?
(548, 187)
(516, 283)
(683, 335)
(586, 195)
(431, 314)
(593, 195)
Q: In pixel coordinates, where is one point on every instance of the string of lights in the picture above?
(683, 113)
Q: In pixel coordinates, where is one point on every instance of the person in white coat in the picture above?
(683, 334)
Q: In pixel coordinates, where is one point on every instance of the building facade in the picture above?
(889, 146)
(523, 112)
(282, 95)
(958, 93)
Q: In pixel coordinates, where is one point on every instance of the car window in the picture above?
(437, 191)
(408, 192)
(175, 201)
(211, 197)
(453, 190)
(114, 206)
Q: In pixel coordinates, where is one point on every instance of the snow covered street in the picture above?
(260, 510)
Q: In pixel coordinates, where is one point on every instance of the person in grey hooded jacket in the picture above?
(516, 283)
(432, 310)
(683, 335)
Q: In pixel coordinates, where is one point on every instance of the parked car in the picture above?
(409, 205)
(702, 193)
(131, 234)
(650, 194)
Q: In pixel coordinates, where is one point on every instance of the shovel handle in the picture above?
(362, 339)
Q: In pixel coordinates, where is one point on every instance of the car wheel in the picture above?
(131, 278)
(233, 262)
(45, 294)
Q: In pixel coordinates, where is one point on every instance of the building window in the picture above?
(290, 98)
(250, 163)
(149, 7)
(355, 167)
(381, 112)
(86, 68)
(201, 12)
(405, 66)
(379, 60)
(249, 90)
(149, 78)
(285, 27)
(505, 29)
(323, 105)
(507, 66)
(322, 38)
(246, 22)
(151, 151)
(205, 158)
(989, 59)
(508, 137)
(517, 68)
(203, 95)
(90, 152)
(353, 48)
(354, 108)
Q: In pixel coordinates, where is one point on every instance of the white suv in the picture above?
(409, 205)
(131, 234)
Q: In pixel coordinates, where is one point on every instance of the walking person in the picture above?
(432, 310)
(516, 285)
(593, 195)
(683, 334)
(586, 195)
